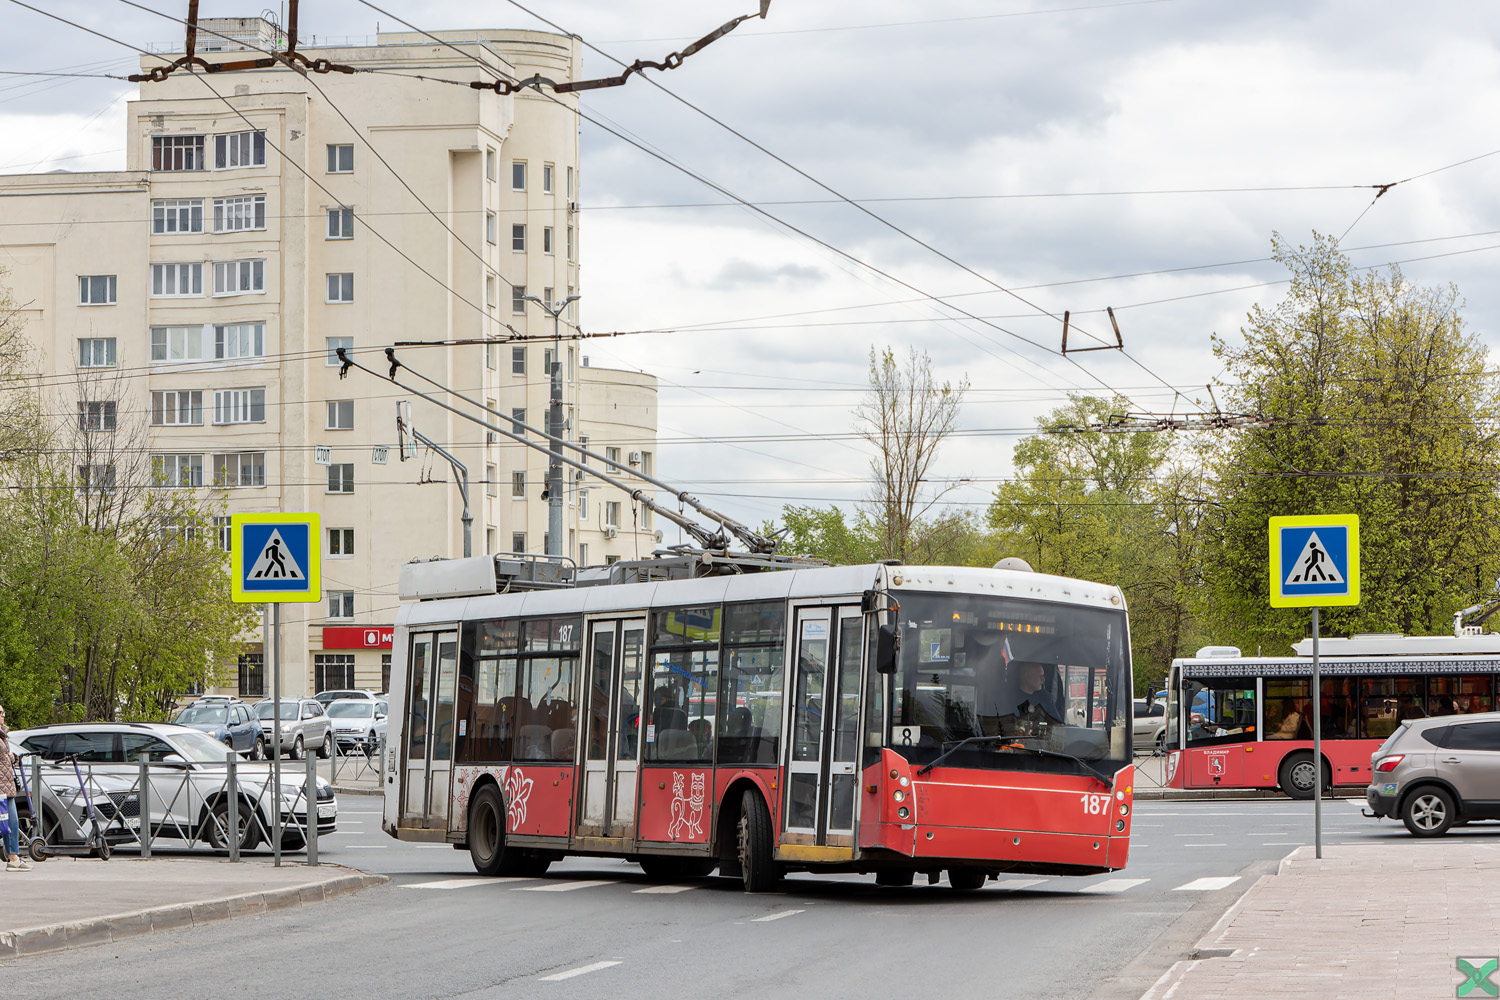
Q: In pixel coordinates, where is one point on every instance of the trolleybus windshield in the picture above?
(1033, 675)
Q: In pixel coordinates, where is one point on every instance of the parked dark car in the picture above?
(232, 724)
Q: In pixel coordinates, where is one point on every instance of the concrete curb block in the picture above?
(123, 926)
(352, 790)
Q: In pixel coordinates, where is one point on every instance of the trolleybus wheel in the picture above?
(1428, 812)
(487, 839)
(669, 869)
(966, 879)
(1297, 775)
(894, 877)
(758, 867)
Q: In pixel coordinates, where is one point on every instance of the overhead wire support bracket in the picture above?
(671, 61)
(1118, 345)
(291, 58)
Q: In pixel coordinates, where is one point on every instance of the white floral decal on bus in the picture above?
(517, 791)
(687, 811)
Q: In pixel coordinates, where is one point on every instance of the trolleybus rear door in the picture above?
(823, 750)
(611, 753)
(428, 752)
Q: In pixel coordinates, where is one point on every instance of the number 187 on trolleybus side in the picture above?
(891, 720)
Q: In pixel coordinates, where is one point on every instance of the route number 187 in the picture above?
(1094, 804)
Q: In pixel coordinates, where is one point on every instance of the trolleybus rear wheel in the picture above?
(758, 867)
(966, 879)
(1297, 775)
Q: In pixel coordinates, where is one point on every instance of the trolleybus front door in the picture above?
(428, 752)
(822, 778)
(611, 753)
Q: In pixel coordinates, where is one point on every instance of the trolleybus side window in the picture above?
(488, 668)
(1463, 695)
(632, 680)
(684, 684)
(602, 660)
(547, 715)
(1223, 709)
(1385, 702)
(751, 683)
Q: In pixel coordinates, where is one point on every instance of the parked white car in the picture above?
(354, 721)
(1150, 724)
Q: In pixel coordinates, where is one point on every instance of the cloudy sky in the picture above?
(1078, 154)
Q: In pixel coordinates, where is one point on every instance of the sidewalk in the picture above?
(1382, 920)
(71, 903)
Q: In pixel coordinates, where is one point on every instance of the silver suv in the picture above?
(1433, 773)
(304, 725)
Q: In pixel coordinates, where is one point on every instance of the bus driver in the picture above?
(1032, 704)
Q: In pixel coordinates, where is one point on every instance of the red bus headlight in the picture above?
(1389, 763)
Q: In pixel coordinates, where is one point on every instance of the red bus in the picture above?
(1238, 721)
(892, 720)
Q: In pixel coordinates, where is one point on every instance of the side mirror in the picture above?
(1151, 693)
(887, 649)
(174, 760)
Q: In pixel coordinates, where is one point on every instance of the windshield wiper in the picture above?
(1105, 778)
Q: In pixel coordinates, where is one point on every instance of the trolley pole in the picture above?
(555, 429)
(1317, 728)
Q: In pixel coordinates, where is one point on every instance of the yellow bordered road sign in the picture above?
(275, 559)
(1314, 561)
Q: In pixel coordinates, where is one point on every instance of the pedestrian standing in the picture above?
(8, 764)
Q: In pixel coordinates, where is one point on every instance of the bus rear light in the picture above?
(1124, 809)
(895, 774)
(1389, 763)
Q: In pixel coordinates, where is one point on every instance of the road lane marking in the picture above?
(1281, 843)
(1208, 884)
(1115, 885)
(1205, 845)
(776, 916)
(1018, 883)
(566, 886)
(667, 888)
(363, 847)
(433, 847)
(459, 883)
(580, 971)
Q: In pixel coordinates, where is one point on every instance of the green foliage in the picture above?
(1378, 405)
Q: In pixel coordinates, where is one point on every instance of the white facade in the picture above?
(257, 227)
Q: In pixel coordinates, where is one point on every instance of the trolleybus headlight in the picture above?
(1120, 825)
(1124, 809)
(900, 796)
(903, 812)
(905, 781)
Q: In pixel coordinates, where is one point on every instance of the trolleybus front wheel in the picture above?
(758, 866)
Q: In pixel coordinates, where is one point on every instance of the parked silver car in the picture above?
(304, 724)
(354, 721)
(59, 799)
(1436, 772)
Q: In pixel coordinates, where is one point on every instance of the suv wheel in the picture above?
(326, 750)
(296, 751)
(1428, 812)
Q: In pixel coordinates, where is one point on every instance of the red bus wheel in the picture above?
(758, 867)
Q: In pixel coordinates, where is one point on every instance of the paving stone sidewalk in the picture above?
(1380, 920)
(72, 902)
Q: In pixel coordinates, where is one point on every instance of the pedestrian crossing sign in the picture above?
(1315, 561)
(275, 559)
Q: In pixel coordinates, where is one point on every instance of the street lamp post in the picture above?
(554, 492)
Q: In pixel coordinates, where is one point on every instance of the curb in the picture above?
(353, 790)
(123, 926)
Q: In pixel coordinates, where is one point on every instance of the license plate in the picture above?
(328, 812)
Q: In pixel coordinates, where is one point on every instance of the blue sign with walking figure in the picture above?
(1314, 561)
(275, 558)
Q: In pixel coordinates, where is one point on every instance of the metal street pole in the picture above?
(555, 429)
(1317, 726)
(276, 734)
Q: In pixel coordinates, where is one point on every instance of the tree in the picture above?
(906, 417)
(1375, 401)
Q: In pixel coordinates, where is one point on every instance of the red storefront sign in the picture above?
(358, 636)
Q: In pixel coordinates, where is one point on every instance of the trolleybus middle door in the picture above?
(611, 753)
(823, 749)
(428, 755)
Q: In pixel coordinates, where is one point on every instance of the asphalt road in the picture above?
(597, 927)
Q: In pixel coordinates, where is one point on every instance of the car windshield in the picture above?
(199, 747)
(352, 709)
(200, 715)
(1046, 677)
(267, 710)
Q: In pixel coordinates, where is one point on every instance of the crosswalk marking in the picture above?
(459, 883)
(1208, 884)
(565, 886)
(776, 916)
(1018, 883)
(667, 888)
(1111, 885)
(580, 971)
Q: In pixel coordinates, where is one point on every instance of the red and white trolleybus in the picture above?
(895, 720)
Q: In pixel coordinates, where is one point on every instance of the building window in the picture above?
(490, 437)
(518, 541)
(239, 340)
(341, 223)
(611, 560)
(547, 245)
(583, 442)
(645, 463)
(517, 418)
(341, 288)
(334, 671)
(490, 228)
(518, 238)
(177, 215)
(613, 454)
(570, 182)
(96, 415)
(546, 178)
(252, 679)
(236, 277)
(178, 470)
(340, 415)
(517, 299)
(240, 469)
(491, 488)
(489, 541)
(489, 163)
(570, 242)
(583, 505)
(177, 407)
(385, 672)
(97, 477)
(240, 406)
(341, 478)
(341, 542)
(341, 159)
(518, 175)
(489, 293)
(177, 152)
(176, 280)
(518, 483)
(176, 343)
(334, 343)
(236, 215)
(239, 149)
(225, 528)
(96, 289)
(96, 352)
(518, 361)
(583, 554)
(611, 513)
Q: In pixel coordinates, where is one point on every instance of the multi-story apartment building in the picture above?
(266, 218)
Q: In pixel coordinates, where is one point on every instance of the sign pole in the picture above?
(1317, 728)
(276, 734)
